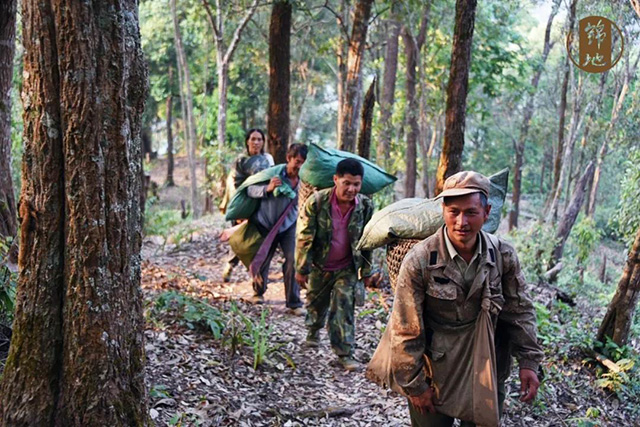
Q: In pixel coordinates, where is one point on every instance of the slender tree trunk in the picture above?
(76, 357)
(8, 220)
(569, 218)
(366, 123)
(170, 161)
(557, 164)
(279, 79)
(353, 84)
(387, 96)
(190, 120)
(411, 53)
(630, 72)
(617, 321)
(526, 121)
(451, 156)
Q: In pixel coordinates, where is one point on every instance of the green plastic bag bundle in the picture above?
(420, 218)
(242, 206)
(321, 164)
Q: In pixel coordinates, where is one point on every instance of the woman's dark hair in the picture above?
(248, 135)
(350, 166)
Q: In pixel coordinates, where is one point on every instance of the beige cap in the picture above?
(465, 182)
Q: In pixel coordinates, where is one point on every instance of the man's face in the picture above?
(464, 216)
(255, 143)
(294, 163)
(347, 187)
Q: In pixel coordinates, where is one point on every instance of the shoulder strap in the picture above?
(495, 242)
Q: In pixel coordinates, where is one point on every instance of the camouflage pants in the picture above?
(333, 293)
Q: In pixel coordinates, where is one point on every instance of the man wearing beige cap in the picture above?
(460, 311)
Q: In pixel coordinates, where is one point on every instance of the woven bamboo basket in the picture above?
(304, 192)
(396, 252)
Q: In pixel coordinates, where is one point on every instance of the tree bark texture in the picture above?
(366, 123)
(76, 358)
(526, 121)
(8, 218)
(617, 320)
(185, 91)
(451, 156)
(279, 79)
(353, 83)
(557, 164)
(387, 95)
(569, 217)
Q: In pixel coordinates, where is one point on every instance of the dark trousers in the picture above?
(441, 420)
(287, 242)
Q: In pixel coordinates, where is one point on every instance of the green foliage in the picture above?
(159, 391)
(194, 312)
(534, 248)
(168, 224)
(626, 219)
(617, 381)
(585, 236)
(233, 328)
(8, 282)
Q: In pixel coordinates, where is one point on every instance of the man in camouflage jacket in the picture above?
(327, 261)
(440, 288)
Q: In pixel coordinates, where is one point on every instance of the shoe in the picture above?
(348, 363)
(313, 339)
(226, 273)
(256, 299)
(298, 311)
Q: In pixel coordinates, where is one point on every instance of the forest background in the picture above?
(209, 76)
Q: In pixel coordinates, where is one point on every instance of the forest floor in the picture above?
(195, 378)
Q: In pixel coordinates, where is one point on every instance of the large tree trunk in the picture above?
(366, 123)
(451, 156)
(279, 79)
(526, 121)
(8, 223)
(617, 320)
(388, 89)
(76, 357)
(353, 83)
(190, 119)
(569, 217)
(557, 164)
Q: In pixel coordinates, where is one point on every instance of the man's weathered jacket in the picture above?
(430, 301)
(314, 233)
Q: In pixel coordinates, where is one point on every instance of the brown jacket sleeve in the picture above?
(407, 332)
(518, 312)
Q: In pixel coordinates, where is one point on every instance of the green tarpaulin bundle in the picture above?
(420, 218)
(321, 164)
(242, 206)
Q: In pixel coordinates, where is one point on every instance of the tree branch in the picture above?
(236, 34)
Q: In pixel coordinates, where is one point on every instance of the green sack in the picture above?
(320, 166)
(420, 218)
(242, 206)
(245, 242)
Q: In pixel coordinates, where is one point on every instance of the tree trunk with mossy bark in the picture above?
(77, 354)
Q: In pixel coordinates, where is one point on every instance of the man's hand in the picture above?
(275, 182)
(424, 402)
(529, 384)
(302, 280)
(367, 281)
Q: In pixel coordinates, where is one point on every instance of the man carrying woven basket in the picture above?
(327, 261)
(460, 311)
